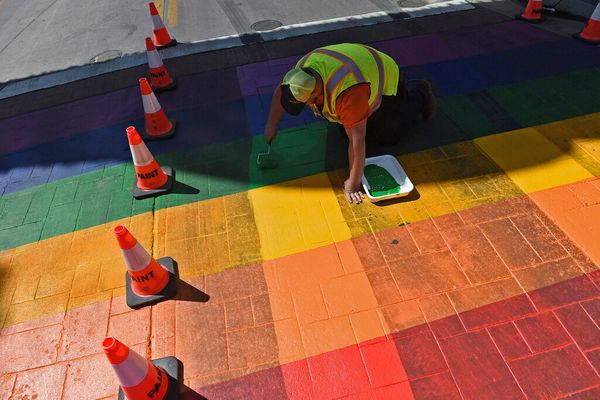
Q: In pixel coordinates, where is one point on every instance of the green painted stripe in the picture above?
(551, 99)
(220, 169)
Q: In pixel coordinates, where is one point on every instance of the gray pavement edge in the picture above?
(16, 88)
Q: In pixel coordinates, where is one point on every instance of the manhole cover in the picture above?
(266, 25)
(106, 55)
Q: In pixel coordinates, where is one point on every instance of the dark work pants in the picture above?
(396, 113)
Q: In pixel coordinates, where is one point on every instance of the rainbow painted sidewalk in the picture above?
(482, 284)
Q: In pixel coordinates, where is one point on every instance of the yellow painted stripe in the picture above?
(66, 271)
(298, 215)
(532, 161)
(272, 222)
(173, 13)
(579, 138)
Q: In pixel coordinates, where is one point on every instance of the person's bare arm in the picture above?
(275, 115)
(356, 158)
(350, 153)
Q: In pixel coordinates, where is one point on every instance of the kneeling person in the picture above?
(358, 87)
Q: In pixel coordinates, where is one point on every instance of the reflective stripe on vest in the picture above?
(381, 78)
(344, 72)
(348, 67)
(132, 370)
(136, 258)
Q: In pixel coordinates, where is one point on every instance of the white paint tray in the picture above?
(391, 164)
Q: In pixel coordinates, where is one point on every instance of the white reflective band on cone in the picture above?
(131, 371)
(154, 60)
(136, 258)
(596, 14)
(151, 104)
(140, 154)
(157, 22)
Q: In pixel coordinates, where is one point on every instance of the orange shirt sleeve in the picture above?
(352, 105)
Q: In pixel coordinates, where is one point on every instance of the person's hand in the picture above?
(353, 192)
(270, 134)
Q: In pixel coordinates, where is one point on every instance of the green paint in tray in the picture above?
(381, 182)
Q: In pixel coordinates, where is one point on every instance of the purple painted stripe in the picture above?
(95, 149)
(53, 123)
(416, 50)
(263, 76)
(215, 87)
(44, 126)
(463, 43)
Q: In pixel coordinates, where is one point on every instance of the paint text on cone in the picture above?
(138, 377)
(150, 176)
(159, 76)
(147, 281)
(148, 277)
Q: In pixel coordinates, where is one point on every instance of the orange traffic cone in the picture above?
(159, 76)
(591, 32)
(140, 379)
(148, 281)
(158, 126)
(161, 35)
(151, 179)
(532, 13)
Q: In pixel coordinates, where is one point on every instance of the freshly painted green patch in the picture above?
(465, 115)
(381, 183)
(551, 99)
(299, 152)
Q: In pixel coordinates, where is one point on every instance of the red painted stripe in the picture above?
(550, 349)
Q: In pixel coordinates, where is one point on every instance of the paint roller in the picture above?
(266, 160)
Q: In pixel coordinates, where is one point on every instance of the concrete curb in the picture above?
(16, 88)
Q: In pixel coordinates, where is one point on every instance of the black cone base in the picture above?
(588, 41)
(164, 189)
(164, 88)
(531, 21)
(172, 43)
(134, 301)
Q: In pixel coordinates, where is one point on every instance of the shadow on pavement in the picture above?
(186, 393)
(187, 292)
(182, 188)
(412, 196)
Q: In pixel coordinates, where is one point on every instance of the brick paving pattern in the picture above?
(483, 283)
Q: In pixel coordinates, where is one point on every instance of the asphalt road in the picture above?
(37, 37)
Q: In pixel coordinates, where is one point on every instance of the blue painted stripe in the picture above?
(202, 125)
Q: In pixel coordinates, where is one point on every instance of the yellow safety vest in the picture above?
(344, 65)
